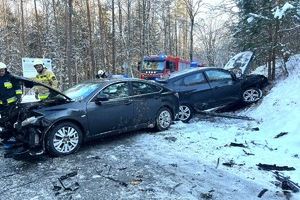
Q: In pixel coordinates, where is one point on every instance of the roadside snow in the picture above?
(280, 12)
(206, 141)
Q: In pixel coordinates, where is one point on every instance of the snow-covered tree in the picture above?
(263, 27)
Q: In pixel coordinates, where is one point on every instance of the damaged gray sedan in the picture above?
(61, 123)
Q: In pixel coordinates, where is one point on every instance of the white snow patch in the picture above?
(280, 12)
(250, 19)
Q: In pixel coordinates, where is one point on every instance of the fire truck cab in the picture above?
(160, 66)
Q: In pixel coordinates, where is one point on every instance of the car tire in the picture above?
(252, 95)
(63, 139)
(185, 113)
(163, 119)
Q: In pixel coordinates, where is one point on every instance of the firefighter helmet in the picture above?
(38, 62)
(2, 65)
(100, 72)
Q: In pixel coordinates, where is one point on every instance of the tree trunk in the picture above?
(92, 68)
(69, 36)
(120, 49)
(113, 39)
(39, 45)
(191, 39)
(22, 30)
(102, 36)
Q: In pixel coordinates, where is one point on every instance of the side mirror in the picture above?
(100, 98)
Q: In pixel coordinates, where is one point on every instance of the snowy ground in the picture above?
(184, 162)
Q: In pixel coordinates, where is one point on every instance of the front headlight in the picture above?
(30, 120)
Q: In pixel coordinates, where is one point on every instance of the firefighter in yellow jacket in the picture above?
(44, 76)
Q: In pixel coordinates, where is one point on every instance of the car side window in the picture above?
(215, 75)
(144, 88)
(117, 90)
(194, 79)
(178, 82)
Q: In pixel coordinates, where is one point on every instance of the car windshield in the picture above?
(81, 91)
(153, 65)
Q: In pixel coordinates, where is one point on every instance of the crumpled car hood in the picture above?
(240, 62)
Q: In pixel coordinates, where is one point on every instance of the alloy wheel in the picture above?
(252, 95)
(66, 139)
(184, 113)
(164, 119)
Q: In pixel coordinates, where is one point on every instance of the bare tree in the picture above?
(69, 36)
(91, 46)
(193, 9)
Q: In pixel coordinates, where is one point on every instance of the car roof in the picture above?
(107, 81)
(190, 70)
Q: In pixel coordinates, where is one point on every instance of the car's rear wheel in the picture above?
(252, 95)
(185, 113)
(163, 119)
(63, 139)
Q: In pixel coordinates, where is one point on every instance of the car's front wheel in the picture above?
(63, 139)
(252, 95)
(163, 119)
(185, 113)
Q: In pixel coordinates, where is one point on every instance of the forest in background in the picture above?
(83, 36)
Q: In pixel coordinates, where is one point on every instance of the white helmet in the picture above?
(100, 72)
(38, 62)
(2, 65)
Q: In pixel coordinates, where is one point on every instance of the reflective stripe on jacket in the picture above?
(9, 89)
(47, 77)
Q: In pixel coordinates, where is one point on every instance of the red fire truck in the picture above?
(160, 66)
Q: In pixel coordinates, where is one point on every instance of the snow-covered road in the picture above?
(137, 166)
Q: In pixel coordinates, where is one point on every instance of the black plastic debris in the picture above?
(281, 134)
(66, 187)
(274, 167)
(255, 129)
(229, 164)
(233, 144)
(68, 175)
(172, 139)
(262, 193)
(286, 183)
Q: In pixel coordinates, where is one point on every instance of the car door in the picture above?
(146, 98)
(114, 114)
(225, 89)
(194, 90)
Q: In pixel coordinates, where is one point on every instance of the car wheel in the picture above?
(185, 113)
(65, 138)
(252, 95)
(163, 119)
